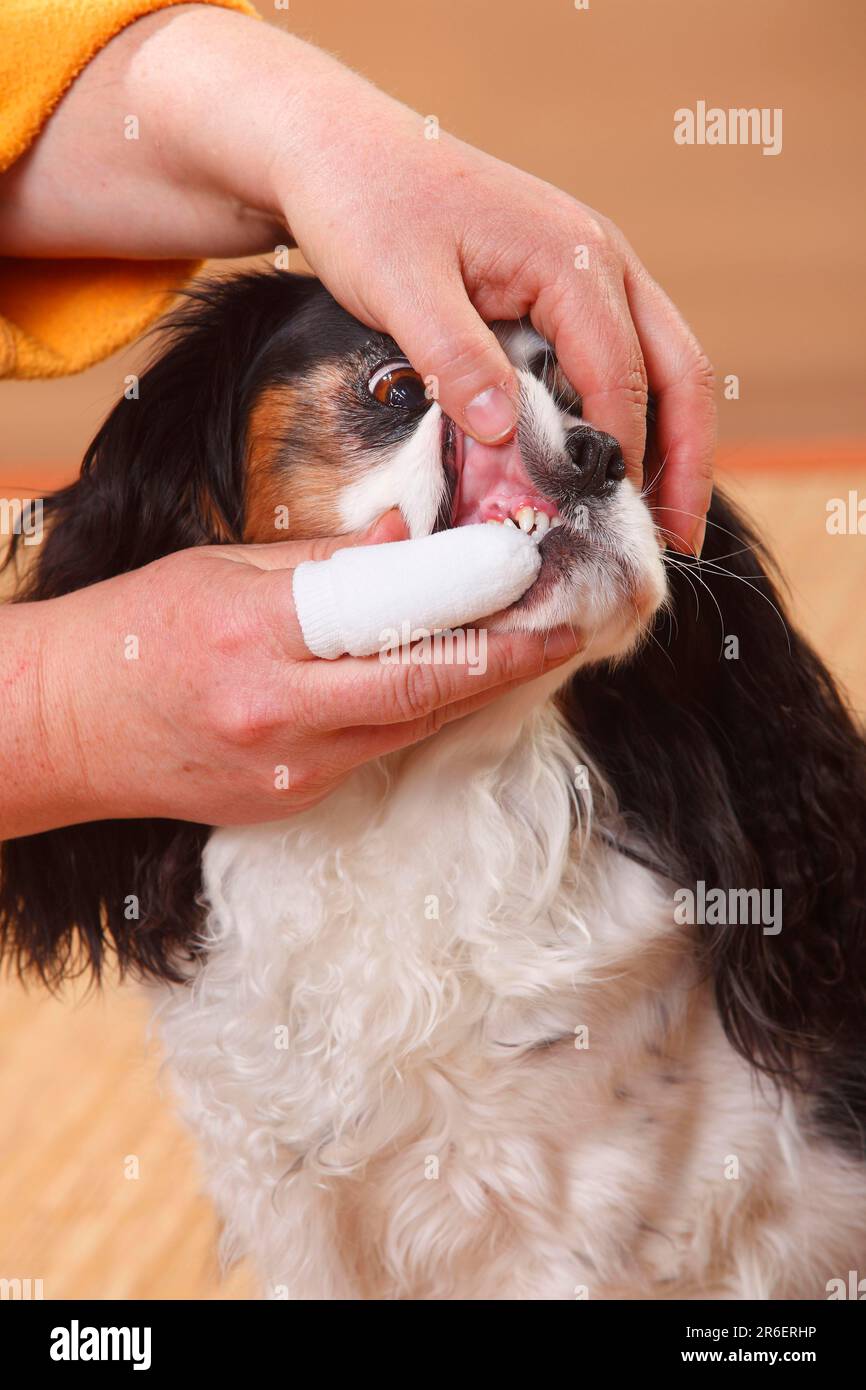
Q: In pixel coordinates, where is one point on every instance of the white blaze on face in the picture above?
(540, 416)
(410, 477)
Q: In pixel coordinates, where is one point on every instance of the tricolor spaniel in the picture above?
(568, 1000)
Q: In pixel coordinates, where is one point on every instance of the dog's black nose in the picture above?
(597, 460)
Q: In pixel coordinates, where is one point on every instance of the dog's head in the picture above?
(335, 426)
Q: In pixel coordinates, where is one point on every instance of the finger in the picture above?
(282, 555)
(587, 318)
(459, 357)
(356, 746)
(682, 380)
(272, 596)
(366, 690)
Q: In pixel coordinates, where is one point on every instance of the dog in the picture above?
(503, 1017)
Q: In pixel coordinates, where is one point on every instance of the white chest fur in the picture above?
(443, 1046)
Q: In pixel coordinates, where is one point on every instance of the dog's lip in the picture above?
(488, 482)
(457, 456)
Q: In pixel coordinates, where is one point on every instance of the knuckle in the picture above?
(700, 381)
(311, 781)
(702, 374)
(605, 253)
(319, 548)
(703, 466)
(635, 378)
(432, 723)
(628, 379)
(553, 252)
(417, 693)
(230, 632)
(460, 355)
(595, 233)
(237, 719)
(305, 709)
(505, 665)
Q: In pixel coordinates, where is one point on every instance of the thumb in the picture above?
(460, 358)
(285, 555)
(389, 527)
(271, 596)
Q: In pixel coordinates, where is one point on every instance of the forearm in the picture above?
(42, 783)
(227, 113)
(179, 82)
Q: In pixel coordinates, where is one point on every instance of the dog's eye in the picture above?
(398, 384)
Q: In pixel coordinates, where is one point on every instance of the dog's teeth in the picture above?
(533, 523)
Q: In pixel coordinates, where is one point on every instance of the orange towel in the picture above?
(60, 316)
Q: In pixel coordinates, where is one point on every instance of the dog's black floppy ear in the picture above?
(732, 753)
(165, 472)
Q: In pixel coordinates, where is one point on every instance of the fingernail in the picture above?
(697, 541)
(491, 415)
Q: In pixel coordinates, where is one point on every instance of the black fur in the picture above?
(751, 773)
(165, 471)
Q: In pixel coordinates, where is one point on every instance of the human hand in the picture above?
(440, 239)
(246, 131)
(196, 669)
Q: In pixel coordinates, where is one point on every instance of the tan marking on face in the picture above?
(215, 525)
(293, 491)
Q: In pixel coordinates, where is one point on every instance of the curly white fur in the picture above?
(380, 1056)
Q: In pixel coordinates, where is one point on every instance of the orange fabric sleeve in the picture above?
(60, 316)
